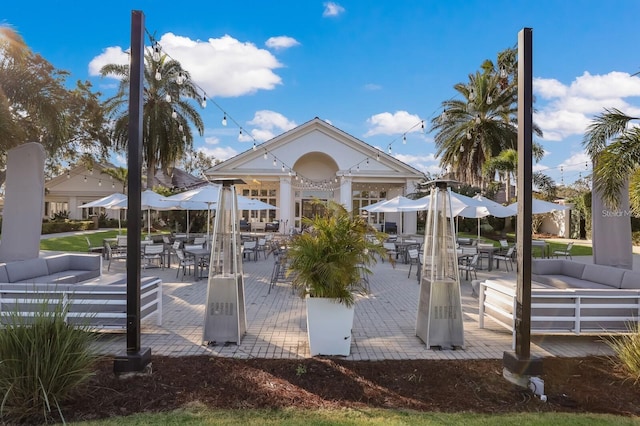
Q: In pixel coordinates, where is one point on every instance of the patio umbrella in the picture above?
(491, 207)
(245, 203)
(539, 207)
(107, 202)
(150, 200)
(494, 209)
(201, 198)
(459, 203)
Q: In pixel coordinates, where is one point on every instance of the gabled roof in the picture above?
(176, 179)
(388, 165)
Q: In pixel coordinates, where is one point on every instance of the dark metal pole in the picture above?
(524, 229)
(520, 364)
(135, 359)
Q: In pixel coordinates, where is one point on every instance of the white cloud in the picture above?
(110, 55)
(281, 42)
(267, 124)
(220, 153)
(372, 86)
(567, 110)
(211, 140)
(424, 163)
(393, 124)
(332, 9)
(222, 66)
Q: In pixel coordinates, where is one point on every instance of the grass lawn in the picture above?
(198, 415)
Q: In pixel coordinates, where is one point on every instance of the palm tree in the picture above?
(506, 163)
(618, 162)
(167, 112)
(473, 130)
(121, 174)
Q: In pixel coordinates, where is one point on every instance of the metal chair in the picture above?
(117, 253)
(469, 264)
(392, 252)
(152, 253)
(184, 262)
(92, 248)
(566, 252)
(506, 257)
(413, 257)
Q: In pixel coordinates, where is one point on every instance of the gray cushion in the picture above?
(630, 280)
(4, 278)
(58, 263)
(547, 266)
(572, 269)
(603, 275)
(25, 269)
(86, 262)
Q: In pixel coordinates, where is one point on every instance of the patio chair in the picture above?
(199, 241)
(121, 240)
(248, 249)
(92, 248)
(468, 264)
(566, 252)
(184, 262)
(116, 253)
(261, 248)
(392, 252)
(413, 257)
(506, 257)
(152, 253)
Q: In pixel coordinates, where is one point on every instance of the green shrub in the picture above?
(42, 361)
(66, 226)
(627, 349)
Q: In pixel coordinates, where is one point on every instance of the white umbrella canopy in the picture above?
(459, 203)
(389, 206)
(371, 206)
(494, 209)
(245, 203)
(150, 200)
(539, 207)
(106, 202)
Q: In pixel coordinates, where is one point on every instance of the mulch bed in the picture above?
(591, 384)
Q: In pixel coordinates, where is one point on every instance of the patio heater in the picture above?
(439, 321)
(225, 318)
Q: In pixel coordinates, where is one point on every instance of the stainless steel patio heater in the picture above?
(225, 318)
(439, 321)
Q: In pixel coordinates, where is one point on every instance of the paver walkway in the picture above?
(384, 326)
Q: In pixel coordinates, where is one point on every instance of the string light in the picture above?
(100, 182)
(204, 102)
(167, 98)
(404, 139)
(224, 120)
(240, 135)
(156, 52)
(174, 114)
(158, 75)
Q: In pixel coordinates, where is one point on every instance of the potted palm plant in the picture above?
(327, 262)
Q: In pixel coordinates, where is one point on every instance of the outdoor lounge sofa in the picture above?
(567, 297)
(76, 281)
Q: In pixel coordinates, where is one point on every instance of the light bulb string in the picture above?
(157, 47)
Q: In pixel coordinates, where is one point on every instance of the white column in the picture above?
(345, 193)
(286, 205)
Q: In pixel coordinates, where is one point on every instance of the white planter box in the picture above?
(329, 326)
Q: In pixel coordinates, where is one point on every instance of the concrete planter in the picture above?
(329, 326)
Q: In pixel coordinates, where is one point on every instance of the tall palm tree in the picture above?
(481, 125)
(617, 162)
(167, 112)
(506, 163)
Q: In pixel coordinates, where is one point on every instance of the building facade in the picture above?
(318, 161)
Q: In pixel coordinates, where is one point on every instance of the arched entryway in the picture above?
(316, 178)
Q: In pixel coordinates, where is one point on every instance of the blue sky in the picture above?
(374, 69)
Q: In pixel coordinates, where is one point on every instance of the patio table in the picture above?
(199, 254)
